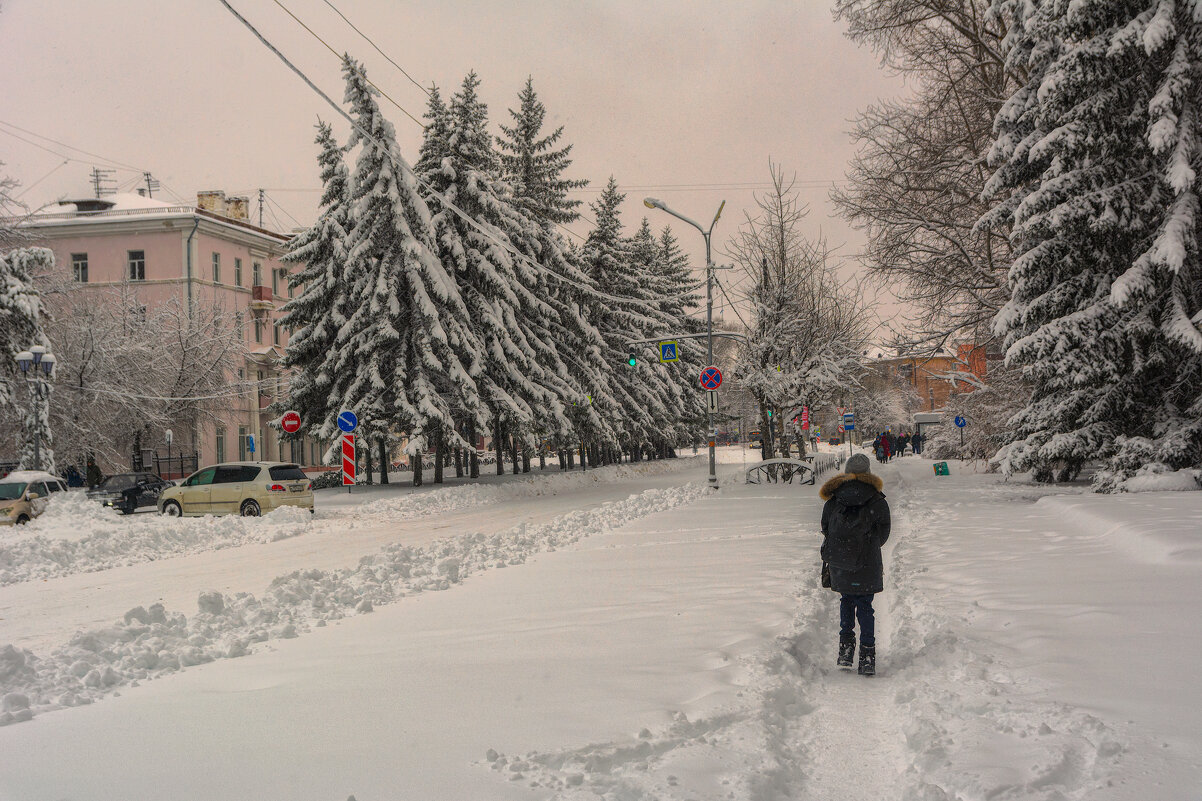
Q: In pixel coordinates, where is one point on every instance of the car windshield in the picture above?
(122, 481)
(12, 491)
(287, 472)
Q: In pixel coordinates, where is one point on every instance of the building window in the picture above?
(275, 283)
(291, 290)
(216, 268)
(242, 443)
(258, 331)
(220, 444)
(237, 272)
(256, 274)
(79, 266)
(276, 333)
(137, 265)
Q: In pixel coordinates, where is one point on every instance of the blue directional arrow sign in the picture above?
(667, 352)
(347, 421)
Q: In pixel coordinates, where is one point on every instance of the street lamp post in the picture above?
(37, 365)
(653, 203)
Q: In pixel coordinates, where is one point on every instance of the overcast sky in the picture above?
(658, 94)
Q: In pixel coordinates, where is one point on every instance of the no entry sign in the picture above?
(290, 422)
(711, 378)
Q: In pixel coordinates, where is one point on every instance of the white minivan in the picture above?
(249, 489)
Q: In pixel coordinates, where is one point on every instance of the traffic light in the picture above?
(633, 360)
(769, 413)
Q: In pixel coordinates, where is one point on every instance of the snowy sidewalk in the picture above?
(597, 640)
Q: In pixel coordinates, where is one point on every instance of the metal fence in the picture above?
(175, 465)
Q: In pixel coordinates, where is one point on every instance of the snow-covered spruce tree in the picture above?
(406, 357)
(322, 303)
(1096, 171)
(522, 378)
(645, 397)
(534, 165)
(21, 321)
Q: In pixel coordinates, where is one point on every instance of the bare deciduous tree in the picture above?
(916, 182)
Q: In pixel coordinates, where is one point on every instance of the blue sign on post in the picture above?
(849, 421)
(250, 443)
(347, 421)
(667, 352)
(960, 421)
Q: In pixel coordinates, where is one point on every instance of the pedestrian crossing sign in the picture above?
(667, 352)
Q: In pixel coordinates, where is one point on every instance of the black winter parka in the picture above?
(856, 489)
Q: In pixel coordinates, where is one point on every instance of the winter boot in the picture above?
(847, 651)
(867, 661)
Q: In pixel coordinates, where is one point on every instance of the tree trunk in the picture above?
(415, 461)
(367, 458)
(438, 454)
(459, 463)
(498, 445)
(384, 465)
(766, 448)
(525, 460)
(513, 454)
(473, 459)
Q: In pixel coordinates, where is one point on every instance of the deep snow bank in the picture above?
(151, 642)
(51, 545)
(77, 535)
(1156, 527)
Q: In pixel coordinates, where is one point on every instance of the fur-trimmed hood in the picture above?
(832, 484)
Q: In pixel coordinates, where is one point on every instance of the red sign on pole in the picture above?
(805, 418)
(348, 460)
(290, 422)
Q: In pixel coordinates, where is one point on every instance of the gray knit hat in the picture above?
(858, 464)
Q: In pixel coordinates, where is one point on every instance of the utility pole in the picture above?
(151, 184)
(261, 195)
(711, 436)
(101, 181)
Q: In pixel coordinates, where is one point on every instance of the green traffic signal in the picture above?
(633, 360)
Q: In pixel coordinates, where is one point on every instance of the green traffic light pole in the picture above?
(653, 203)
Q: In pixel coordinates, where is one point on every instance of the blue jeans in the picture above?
(857, 606)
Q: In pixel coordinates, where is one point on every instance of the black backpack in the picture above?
(849, 535)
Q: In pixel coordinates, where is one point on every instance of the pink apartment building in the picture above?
(209, 252)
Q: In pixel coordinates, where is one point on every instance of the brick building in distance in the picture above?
(934, 376)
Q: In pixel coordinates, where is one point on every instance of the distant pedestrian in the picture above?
(855, 525)
(916, 443)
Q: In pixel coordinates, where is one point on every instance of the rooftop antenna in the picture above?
(102, 182)
(261, 192)
(151, 184)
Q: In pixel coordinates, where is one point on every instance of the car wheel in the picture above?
(251, 509)
(22, 520)
(172, 509)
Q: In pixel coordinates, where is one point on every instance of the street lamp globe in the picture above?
(48, 361)
(38, 351)
(24, 360)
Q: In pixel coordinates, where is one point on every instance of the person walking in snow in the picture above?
(855, 524)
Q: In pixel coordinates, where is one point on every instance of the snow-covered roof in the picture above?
(878, 353)
(25, 476)
(120, 201)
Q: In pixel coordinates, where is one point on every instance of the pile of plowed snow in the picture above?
(151, 642)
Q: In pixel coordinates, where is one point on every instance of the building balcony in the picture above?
(260, 298)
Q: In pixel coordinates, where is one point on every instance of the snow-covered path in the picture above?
(687, 652)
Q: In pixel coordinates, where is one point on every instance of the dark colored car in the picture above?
(128, 492)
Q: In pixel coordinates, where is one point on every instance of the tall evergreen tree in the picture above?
(322, 304)
(407, 354)
(522, 377)
(1097, 166)
(20, 327)
(533, 163)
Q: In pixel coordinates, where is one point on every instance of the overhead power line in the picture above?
(339, 57)
(377, 47)
(113, 162)
(400, 163)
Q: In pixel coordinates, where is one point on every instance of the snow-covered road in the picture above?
(668, 642)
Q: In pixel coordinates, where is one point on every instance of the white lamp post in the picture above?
(653, 203)
(37, 365)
